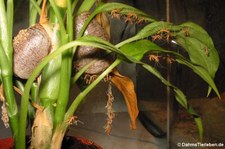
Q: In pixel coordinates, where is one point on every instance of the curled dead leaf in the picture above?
(126, 86)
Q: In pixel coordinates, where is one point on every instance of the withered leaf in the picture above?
(126, 86)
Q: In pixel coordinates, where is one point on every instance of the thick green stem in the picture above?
(70, 21)
(33, 11)
(50, 80)
(11, 105)
(6, 25)
(64, 88)
(58, 13)
(3, 30)
(7, 80)
(10, 16)
(66, 65)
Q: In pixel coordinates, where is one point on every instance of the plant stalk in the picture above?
(7, 80)
(66, 68)
(61, 129)
(6, 25)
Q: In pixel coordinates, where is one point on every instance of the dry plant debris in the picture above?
(110, 113)
(4, 117)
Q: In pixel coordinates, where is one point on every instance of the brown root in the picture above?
(110, 113)
(4, 117)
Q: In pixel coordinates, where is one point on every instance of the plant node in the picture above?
(162, 34)
(153, 57)
(116, 13)
(169, 59)
(185, 30)
(73, 120)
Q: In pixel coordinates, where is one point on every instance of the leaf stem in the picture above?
(86, 6)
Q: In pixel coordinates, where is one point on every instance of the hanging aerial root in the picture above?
(89, 78)
(4, 117)
(110, 113)
(156, 58)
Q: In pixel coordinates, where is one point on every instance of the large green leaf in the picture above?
(201, 55)
(122, 9)
(137, 50)
(134, 52)
(195, 31)
(199, 46)
(155, 27)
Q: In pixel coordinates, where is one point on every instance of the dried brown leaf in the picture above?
(126, 86)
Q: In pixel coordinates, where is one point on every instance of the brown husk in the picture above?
(42, 129)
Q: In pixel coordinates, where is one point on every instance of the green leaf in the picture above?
(153, 28)
(180, 97)
(139, 48)
(199, 124)
(150, 30)
(197, 32)
(198, 121)
(197, 54)
(199, 46)
(123, 9)
(201, 72)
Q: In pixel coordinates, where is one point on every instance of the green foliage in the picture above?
(56, 68)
